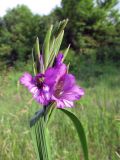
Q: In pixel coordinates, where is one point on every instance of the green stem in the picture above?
(40, 138)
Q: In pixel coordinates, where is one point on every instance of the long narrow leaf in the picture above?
(39, 60)
(37, 47)
(46, 47)
(66, 52)
(59, 27)
(63, 25)
(57, 45)
(80, 131)
(34, 64)
(58, 42)
(34, 139)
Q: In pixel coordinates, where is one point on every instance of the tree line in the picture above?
(93, 30)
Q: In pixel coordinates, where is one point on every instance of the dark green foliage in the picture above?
(17, 26)
(18, 31)
(93, 30)
(93, 24)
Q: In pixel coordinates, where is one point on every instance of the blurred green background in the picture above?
(94, 34)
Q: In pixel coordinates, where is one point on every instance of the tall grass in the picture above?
(99, 111)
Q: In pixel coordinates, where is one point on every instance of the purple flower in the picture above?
(37, 86)
(54, 85)
(64, 89)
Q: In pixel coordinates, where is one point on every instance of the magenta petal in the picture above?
(54, 85)
(71, 90)
(61, 103)
(53, 75)
(72, 95)
(67, 91)
(26, 80)
(68, 103)
(41, 95)
(59, 59)
(69, 81)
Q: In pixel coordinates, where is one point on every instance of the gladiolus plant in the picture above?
(52, 87)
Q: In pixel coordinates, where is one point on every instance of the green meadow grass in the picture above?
(98, 110)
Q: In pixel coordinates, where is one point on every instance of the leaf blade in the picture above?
(46, 47)
(34, 64)
(80, 131)
(57, 45)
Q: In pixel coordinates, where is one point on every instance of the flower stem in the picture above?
(40, 138)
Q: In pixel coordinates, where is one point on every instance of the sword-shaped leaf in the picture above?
(34, 64)
(80, 131)
(57, 45)
(66, 52)
(37, 48)
(46, 47)
(59, 27)
(39, 57)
